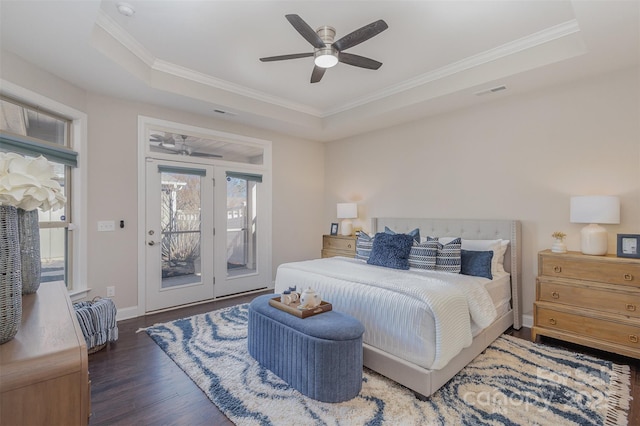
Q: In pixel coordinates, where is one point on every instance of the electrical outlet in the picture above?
(111, 291)
(106, 225)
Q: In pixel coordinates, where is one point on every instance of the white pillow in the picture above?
(486, 245)
(503, 251)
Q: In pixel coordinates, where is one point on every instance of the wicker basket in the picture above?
(29, 236)
(10, 274)
(97, 320)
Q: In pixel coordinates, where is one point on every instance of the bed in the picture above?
(420, 351)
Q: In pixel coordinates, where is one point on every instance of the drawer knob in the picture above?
(552, 321)
(628, 277)
(630, 307)
(555, 295)
(348, 245)
(557, 269)
(633, 338)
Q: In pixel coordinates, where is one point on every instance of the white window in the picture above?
(32, 130)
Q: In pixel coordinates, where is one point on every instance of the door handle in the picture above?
(151, 243)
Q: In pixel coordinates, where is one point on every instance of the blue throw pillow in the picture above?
(476, 263)
(415, 233)
(364, 244)
(448, 259)
(423, 255)
(391, 251)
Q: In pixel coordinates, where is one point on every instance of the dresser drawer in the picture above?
(590, 268)
(330, 242)
(597, 297)
(627, 335)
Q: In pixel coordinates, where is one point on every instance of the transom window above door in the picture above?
(204, 147)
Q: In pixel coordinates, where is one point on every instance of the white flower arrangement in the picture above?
(28, 183)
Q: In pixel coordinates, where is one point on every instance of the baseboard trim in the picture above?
(127, 313)
(527, 320)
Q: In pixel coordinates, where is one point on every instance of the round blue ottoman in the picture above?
(320, 356)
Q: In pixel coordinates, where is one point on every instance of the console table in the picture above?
(44, 369)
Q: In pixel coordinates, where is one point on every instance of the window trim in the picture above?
(78, 134)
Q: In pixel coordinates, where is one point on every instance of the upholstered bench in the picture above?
(320, 356)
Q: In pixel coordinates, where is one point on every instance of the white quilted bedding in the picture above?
(423, 317)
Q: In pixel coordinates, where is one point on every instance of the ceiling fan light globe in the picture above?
(326, 58)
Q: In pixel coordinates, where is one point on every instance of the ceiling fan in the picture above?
(328, 53)
(168, 143)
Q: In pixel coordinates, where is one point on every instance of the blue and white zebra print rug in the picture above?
(514, 382)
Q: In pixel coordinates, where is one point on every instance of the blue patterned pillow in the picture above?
(423, 255)
(476, 263)
(364, 244)
(391, 251)
(449, 259)
(415, 233)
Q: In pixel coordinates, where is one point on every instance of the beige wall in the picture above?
(517, 158)
(111, 159)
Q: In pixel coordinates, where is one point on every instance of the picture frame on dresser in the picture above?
(629, 245)
(334, 229)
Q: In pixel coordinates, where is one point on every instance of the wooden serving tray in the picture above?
(300, 313)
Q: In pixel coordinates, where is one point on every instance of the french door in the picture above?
(179, 233)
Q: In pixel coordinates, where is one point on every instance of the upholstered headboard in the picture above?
(471, 229)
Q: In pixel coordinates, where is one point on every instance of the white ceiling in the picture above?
(203, 55)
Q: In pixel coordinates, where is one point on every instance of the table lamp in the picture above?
(594, 210)
(347, 211)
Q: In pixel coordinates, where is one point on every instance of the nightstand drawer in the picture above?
(598, 297)
(590, 268)
(614, 332)
(336, 243)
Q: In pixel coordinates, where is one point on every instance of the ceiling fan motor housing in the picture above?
(327, 56)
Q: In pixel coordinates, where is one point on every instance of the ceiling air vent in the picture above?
(492, 90)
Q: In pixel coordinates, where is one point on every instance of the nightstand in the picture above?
(589, 300)
(338, 245)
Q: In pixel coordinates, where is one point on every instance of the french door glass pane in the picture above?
(180, 224)
(241, 226)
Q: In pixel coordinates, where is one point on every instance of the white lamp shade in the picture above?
(595, 209)
(347, 210)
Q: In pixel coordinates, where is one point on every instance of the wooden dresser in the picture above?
(44, 370)
(590, 300)
(338, 245)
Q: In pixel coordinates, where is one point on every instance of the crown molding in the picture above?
(521, 44)
(533, 40)
(208, 80)
(119, 34)
(112, 28)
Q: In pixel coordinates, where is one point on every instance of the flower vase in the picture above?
(559, 246)
(29, 236)
(10, 274)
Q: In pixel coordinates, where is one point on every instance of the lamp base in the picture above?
(346, 227)
(594, 240)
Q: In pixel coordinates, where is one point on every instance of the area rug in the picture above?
(513, 382)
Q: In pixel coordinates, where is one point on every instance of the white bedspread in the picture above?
(391, 302)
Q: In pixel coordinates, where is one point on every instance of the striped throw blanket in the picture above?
(97, 320)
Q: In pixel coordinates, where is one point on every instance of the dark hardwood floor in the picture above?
(133, 382)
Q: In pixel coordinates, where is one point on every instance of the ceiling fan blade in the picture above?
(359, 61)
(305, 30)
(204, 154)
(160, 138)
(362, 34)
(285, 57)
(164, 148)
(317, 74)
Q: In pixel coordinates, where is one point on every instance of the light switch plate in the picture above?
(106, 225)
